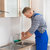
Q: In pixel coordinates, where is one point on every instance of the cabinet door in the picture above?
(25, 22)
(1, 8)
(11, 6)
(24, 3)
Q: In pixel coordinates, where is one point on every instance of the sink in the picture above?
(25, 44)
(19, 45)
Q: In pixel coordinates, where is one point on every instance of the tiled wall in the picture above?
(8, 27)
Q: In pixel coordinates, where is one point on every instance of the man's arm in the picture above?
(34, 27)
(35, 24)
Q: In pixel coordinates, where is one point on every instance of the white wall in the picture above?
(37, 5)
(4, 30)
(8, 27)
(47, 13)
(15, 28)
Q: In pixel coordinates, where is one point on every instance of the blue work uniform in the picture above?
(39, 27)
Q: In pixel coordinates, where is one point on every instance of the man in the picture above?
(38, 27)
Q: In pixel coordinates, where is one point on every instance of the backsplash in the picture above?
(8, 27)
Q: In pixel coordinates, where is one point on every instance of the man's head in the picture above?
(27, 12)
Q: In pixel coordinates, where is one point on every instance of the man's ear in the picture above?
(30, 12)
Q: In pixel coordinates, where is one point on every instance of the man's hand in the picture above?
(22, 35)
(26, 35)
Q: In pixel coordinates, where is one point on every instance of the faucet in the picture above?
(18, 36)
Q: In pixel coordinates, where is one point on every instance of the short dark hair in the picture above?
(25, 9)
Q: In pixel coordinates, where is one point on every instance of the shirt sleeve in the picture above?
(35, 24)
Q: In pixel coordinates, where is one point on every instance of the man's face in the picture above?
(28, 14)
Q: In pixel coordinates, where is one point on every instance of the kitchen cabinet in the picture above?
(11, 6)
(1, 8)
(24, 3)
(25, 23)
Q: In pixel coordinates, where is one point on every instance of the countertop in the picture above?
(13, 46)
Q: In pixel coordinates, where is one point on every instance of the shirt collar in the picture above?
(33, 14)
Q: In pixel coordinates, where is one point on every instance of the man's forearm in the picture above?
(27, 35)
